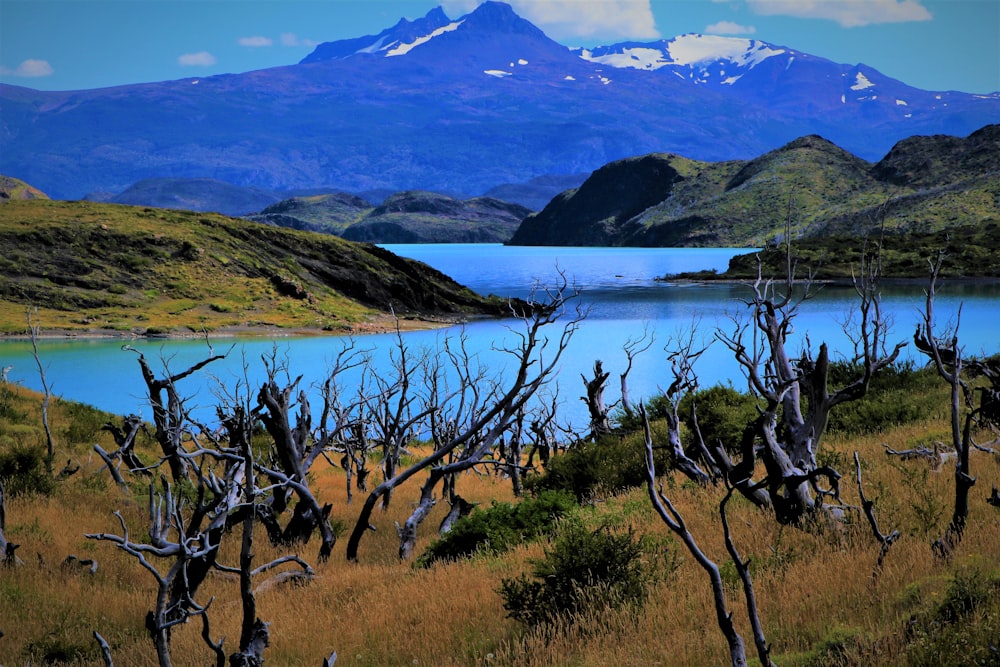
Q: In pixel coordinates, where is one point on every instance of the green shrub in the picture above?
(500, 527)
(23, 470)
(607, 466)
(8, 410)
(584, 571)
(962, 629)
(899, 394)
(723, 415)
(85, 422)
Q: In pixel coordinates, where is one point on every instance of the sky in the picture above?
(77, 44)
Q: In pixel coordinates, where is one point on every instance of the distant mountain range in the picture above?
(461, 106)
(922, 185)
(404, 217)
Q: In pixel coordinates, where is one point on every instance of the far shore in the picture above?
(377, 325)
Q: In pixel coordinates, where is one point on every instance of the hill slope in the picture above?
(328, 213)
(14, 188)
(89, 266)
(924, 184)
(427, 217)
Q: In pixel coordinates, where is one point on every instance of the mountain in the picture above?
(427, 217)
(195, 194)
(923, 184)
(93, 266)
(537, 192)
(462, 105)
(593, 214)
(16, 189)
(326, 213)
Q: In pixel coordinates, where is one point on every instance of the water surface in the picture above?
(618, 291)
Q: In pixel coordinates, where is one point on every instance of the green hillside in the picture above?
(16, 189)
(103, 267)
(924, 185)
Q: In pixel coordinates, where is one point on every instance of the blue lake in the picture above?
(617, 287)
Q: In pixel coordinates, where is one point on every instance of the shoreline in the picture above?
(380, 325)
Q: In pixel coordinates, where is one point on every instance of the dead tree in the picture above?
(633, 347)
(673, 519)
(946, 355)
(124, 437)
(795, 391)
(295, 451)
(466, 422)
(685, 381)
(168, 542)
(187, 536)
(169, 414)
(594, 399)
(868, 506)
(34, 331)
(7, 549)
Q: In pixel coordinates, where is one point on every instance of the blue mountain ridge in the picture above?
(461, 106)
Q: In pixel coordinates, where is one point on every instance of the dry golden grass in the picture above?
(379, 611)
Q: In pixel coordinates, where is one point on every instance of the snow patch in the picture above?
(522, 61)
(403, 49)
(376, 46)
(569, 77)
(196, 81)
(693, 49)
(843, 99)
(498, 73)
(861, 82)
(635, 58)
(901, 103)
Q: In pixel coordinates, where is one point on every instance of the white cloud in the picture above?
(729, 28)
(30, 68)
(200, 59)
(291, 39)
(577, 18)
(848, 13)
(255, 41)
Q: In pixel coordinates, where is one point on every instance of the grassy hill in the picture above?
(14, 188)
(327, 213)
(101, 267)
(924, 184)
(416, 216)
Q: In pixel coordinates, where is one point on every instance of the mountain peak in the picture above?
(404, 32)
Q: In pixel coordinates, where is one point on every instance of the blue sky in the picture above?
(76, 44)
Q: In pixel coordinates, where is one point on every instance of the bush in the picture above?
(960, 630)
(899, 394)
(85, 422)
(23, 470)
(608, 465)
(500, 527)
(585, 570)
(723, 415)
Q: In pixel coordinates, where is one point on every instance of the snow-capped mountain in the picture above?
(461, 105)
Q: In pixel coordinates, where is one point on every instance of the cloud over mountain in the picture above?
(255, 41)
(199, 59)
(632, 19)
(729, 28)
(848, 13)
(30, 68)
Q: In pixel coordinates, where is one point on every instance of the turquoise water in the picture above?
(617, 289)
